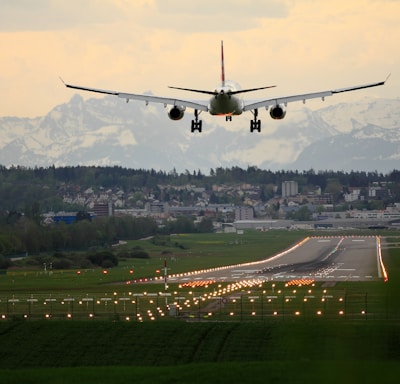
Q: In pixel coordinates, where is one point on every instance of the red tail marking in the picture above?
(222, 64)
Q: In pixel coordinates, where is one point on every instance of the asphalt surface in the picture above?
(320, 259)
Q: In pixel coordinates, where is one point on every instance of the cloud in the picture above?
(42, 15)
(178, 15)
(140, 45)
(236, 8)
(213, 16)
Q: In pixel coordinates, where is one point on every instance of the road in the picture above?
(319, 258)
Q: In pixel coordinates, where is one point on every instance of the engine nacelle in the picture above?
(176, 112)
(278, 112)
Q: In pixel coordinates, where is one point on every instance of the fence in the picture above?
(254, 305)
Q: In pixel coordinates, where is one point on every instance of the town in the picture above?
(238, 205)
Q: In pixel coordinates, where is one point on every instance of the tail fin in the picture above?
(215, 93)
(222, 65)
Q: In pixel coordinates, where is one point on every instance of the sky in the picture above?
(139, 46)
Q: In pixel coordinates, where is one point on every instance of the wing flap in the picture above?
(286, 99)
(307, 96)
(147, 98)
(164, 100)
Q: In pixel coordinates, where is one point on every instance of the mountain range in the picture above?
(362, 136)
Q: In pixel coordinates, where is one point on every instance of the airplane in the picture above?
(224, 100)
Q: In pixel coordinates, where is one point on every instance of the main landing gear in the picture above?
(255, 124)
(196, 123)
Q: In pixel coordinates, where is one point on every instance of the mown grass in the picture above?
(283, 350)
(183, 253)
(192, 352)
(276, 372)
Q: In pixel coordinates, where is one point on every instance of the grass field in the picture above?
(353, 347)
(197, 352)
(183, 253)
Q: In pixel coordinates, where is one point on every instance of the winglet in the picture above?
(62, 80)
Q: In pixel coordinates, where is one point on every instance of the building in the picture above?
(377, 192)
(103, 209)
(244, 213)
(289, 188)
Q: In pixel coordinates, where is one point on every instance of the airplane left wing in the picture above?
(306, 96)
(147, 98)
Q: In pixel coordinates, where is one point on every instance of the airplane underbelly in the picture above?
(225, 106)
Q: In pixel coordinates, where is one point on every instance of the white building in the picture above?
(289, 188)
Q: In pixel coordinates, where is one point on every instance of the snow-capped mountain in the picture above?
(108, 131)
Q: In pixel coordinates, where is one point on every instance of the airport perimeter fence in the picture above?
(192, 306)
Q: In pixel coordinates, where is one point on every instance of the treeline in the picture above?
(127, 178)
(24, 236)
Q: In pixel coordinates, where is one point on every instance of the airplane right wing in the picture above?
(147, 98)
(306, 96)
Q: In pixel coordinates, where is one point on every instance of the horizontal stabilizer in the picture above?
(214, 93)
(250, 90)
(196, 90)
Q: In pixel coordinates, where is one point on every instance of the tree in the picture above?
(105, 259)
(13, 217)
(303, 214)
(205, 225)
(33, 212)
(32, 237)
(182, 224)
(82, 215)
(4, 262)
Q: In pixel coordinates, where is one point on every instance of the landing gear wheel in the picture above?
(255, 124)
(196, 123)
(196, 126)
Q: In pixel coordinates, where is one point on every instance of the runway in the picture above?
(318, 258)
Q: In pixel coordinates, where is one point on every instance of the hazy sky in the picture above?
(141, 45)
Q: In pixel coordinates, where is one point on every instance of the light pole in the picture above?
(165, 281)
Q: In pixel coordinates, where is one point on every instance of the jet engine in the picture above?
(278, 112)
(176, 112)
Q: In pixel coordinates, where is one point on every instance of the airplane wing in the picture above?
(306, 96)
(146, 98)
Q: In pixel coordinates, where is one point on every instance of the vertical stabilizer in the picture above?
(222, 65)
